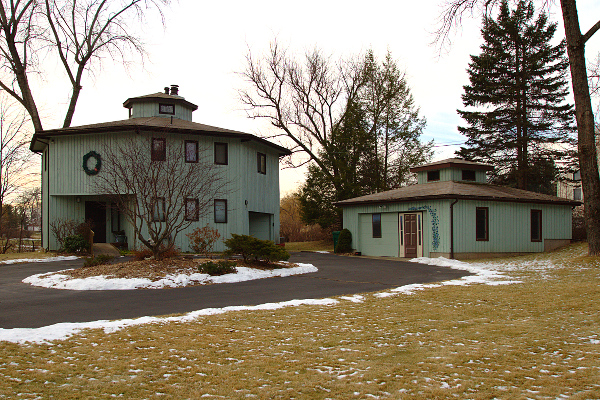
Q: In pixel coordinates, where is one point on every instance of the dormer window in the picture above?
(468, 175)
(166, 109)
(433, 175)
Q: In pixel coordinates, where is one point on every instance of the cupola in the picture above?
(162, 104)
(452, 169)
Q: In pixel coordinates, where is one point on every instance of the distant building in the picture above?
(453, 212)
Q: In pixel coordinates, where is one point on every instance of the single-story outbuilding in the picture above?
(452, 212)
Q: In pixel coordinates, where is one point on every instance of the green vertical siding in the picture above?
(139, 110)
(246, 191)
(435, 221)
(452, 174)
(509, 226)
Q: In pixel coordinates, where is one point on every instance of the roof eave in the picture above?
(572, 203)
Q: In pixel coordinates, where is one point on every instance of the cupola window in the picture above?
(468, 175)
(433, 175)
(166, 109)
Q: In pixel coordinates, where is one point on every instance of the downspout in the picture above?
(452, 228)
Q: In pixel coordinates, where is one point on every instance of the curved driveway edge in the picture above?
(25, 306)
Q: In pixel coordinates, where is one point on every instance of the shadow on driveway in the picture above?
(25, 306)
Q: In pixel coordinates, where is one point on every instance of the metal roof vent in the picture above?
(174, 90)
(166, 90)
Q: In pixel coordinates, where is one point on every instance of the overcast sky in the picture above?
(203, 45)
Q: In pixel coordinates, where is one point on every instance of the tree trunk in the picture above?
(588, 162)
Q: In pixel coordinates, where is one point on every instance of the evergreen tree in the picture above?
(371, 149)
(516, 98)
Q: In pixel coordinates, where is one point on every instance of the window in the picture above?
(191, 151)
(166, 109)
(221, 157)
(468, 175)
(482, 224)
(433, 175)
(536, 225)
(262, 163)
(577, 176)
(577, 193)
(159, 149)
(221, 211)
(158, 209)
(376, 225)
(191, 209)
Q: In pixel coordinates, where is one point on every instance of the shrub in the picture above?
(251, 248)
(202, 240)
(344, 244)
(139, 255)
(221, 267)
(75, 244)
(98, 260)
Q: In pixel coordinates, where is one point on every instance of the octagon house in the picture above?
(72, 159)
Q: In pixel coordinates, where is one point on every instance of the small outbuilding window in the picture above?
(221, 157)
(577, 193)
(159, 149)
(376, 225)
(433, 175)
(468, 175)
(261, 159)
(221, 211)
(536, 225)
(191, 151)
(482, 224)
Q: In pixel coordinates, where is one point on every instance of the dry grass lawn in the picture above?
(539, 339)
(26, 255)
(319, 245)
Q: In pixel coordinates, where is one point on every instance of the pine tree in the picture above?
(517, 114)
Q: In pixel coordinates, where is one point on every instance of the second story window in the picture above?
(221, 156)
(191, 151)
(158, 209)
(262, 163)
(166, 109)
(159, 149)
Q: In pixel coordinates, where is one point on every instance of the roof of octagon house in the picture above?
(155, 123)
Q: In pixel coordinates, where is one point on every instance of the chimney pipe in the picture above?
(166, 90)
(174, 90)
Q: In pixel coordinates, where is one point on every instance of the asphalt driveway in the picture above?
(25, 306)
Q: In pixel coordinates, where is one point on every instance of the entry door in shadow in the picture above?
(96, 212)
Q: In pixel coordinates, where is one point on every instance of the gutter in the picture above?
(452, 228)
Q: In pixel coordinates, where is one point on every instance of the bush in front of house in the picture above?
(100, 259)
(253, 249)
(214, 268)
(76, 244)
(202, 240)
(344, 244)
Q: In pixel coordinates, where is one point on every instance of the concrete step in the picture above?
(105, 248)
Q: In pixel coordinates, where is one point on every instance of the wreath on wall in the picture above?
(96, 168)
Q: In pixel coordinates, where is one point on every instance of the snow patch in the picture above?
(39, 260)
(64, 330)
(102, 282)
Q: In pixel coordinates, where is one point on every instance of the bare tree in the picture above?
(158, 198)
(451, 18)
(80, 33)
(14, 155)
(304, 100)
